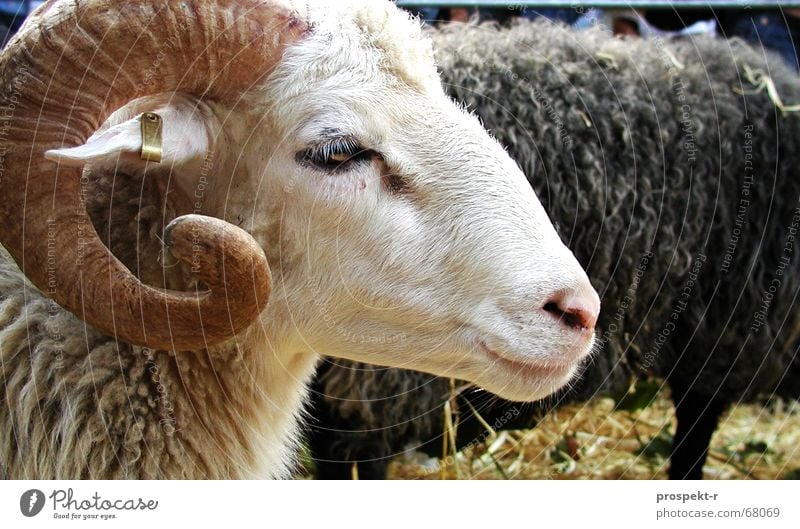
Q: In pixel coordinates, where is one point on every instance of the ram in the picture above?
(316, 190)
(670, 169)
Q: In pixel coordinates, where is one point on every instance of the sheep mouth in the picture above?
(527, 368)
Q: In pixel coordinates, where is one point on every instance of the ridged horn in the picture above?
(73, 63)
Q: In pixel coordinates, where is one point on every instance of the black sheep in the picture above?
(671, 170)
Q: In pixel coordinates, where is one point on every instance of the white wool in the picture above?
(447, 273)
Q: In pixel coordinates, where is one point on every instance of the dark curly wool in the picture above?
(673, 176)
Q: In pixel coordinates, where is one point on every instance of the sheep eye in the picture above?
(337, 155)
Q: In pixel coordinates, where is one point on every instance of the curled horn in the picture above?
(74, 63)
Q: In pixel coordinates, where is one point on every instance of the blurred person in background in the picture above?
(773, 29)
(566, 16)
(777, 30)
(460, 14)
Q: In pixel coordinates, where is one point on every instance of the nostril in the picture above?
(574, 311)
(574, 319)
(553, 308)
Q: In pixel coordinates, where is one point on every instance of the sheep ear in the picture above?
(184, 138)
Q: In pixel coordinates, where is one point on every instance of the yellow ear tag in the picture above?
(152, 146)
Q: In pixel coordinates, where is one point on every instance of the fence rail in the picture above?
(649, 4)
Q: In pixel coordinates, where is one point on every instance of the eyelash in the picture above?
(336, 155)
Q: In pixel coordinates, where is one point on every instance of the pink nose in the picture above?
(576, 308)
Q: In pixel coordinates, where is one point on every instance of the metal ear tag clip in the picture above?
(152, 146)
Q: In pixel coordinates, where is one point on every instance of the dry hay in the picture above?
(593, 441)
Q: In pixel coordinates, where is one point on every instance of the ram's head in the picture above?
(397, 230)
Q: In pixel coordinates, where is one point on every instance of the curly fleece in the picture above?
(671, 174)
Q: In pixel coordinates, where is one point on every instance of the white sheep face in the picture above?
(409, 238)
(398, 231)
